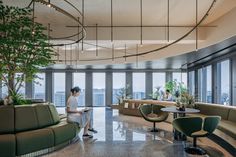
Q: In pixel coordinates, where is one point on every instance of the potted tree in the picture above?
(24, 48)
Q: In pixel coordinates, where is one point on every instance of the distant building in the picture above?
(98, 97)
(59, 98)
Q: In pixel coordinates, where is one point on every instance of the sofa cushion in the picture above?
(54, 113)
(6, 119)
(35, 140)
(212, 109)
(7, 145)
(44, 115)
(63, 132)
(25, 118)
(232, 115)
(228, 127)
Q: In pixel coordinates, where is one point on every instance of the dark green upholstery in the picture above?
(25, 118)
(6, 119)
(211, 123)
(232, 115)
(30, 141)
(55, 115)
(145, 110)
(23, 129)
(209, 109)
(7, 145)
(63, 132)
(195, 127)
(44, 115)
(187, 125)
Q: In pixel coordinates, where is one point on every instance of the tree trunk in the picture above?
(11, 87)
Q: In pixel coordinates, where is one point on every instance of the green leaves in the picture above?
(21, 51)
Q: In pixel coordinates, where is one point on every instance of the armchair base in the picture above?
(195, 150)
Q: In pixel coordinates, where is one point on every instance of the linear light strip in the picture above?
(168, 20)
(82, 47)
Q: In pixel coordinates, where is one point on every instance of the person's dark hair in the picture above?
(168, 90)
(75, 90)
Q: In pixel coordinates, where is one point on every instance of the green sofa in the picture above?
(227, 113)
(30, 129)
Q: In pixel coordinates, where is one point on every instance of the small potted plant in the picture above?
(185, 101)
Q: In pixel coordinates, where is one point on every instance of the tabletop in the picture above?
(174, 110)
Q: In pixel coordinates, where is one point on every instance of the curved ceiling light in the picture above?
(83, 32)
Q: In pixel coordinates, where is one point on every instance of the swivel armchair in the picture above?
(195, 127)
(160, 116)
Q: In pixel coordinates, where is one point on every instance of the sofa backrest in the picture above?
(213, 109)
(232, 115)
(25, 118)
(54, 113)
(44, 115)
(6, 119)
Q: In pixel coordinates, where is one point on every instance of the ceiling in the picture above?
(182, 18)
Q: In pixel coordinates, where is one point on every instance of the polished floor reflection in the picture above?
(125, 136)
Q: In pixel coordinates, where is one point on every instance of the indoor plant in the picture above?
(24, 47)
(185, 101)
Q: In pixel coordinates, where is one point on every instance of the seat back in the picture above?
(54, 113)
(211, 123)
(157, 109)
(187, 125)
(145, 109)
(25, 118)
(44, 115)
(6, 119)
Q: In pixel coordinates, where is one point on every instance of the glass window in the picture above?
(98, 89)
(223, 82)
(79, 80)
(180, 77)
(138, 85)
(118, 86)
(199, 95)
(59, 89)
(191, 83)
(4, 90)
(209, 84)
(21, 90)
(158, 85)
(39, 86)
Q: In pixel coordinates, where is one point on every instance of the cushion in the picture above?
(25, 118)
(6, 119)
(63, 132)
(232, 115)
(54, 113)
(44, 116)
(7, 145)
(35, 140)
(211, 109)
(228, 127)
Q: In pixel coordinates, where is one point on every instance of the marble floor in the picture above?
(126, 136)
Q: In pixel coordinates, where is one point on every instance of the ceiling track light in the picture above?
(141, 22)
(82, 46)
(111, 21)
(168, 21)
(196, 25)
(96, 40)
(113, 54)
(125, 52)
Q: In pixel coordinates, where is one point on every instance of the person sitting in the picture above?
(83, 118)
(168, 96)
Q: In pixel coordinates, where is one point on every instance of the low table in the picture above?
(176, 114)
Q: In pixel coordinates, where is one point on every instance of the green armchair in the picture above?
(160, 116)
(195, 127)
